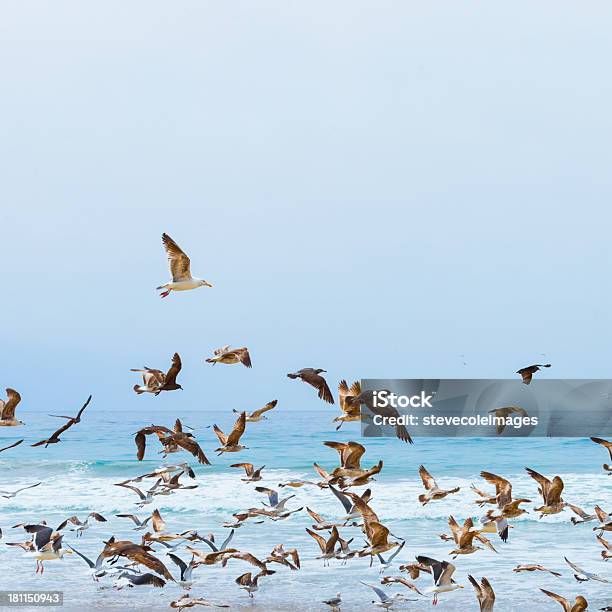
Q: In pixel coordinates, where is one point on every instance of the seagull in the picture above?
(229, 356)
(249, 582)
(258, 415)
(46, 545)
(155, 381)
(388, 562)
(136, 553)
(230, 443)
(350, 456)
(54, 438)
(13, 445)
(585, 518)
(606, 444)
(180, 270)
(526, 567)
(401, 580)
(607, 553)
(550, 492)
(75, 419)
(376, 533)
(528, 372)
(348, 398)
(171, 440)
(186, 580)
(463, 536)
(328, 547)
(384, 601)
(484, 593)
(7, 410)
(582, 575)
(604, 519)
(505, 412)
(130, 579)
(144, 499)
(334, 603)
(275, 503)
(139, 524)
(313, 377)
(415, 569)
(11, 494)
(280, 555)
(580, 603)
(252, 475)
(81, 526)
(184, 601)
(431, 486)
(442, 576)
(210, 540)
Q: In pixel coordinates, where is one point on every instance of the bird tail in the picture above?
(137, 389)
(292, 376)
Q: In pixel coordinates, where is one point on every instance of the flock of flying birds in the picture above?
(147, 561)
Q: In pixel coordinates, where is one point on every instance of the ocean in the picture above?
(78, 476)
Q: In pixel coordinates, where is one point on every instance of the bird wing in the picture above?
(244, 356)
(8, 410)
(489, 593)
(503, 487)
(352, 454)
(248, 467)
(577, 569)
(244, 579)
(271, 493)
(178, 261)
(80, 412)
(377, 534)
(267, 407)
(158, 522)
(477, 587)
(222, 437)
(86, 559)
(554, 492)
(428, 480)
(344, 500)
(318, 538)
(559, 599)
(141, 444)
(605, 443)
(191, 446)
(381, 594)
(541, 480)
(152, 579)
(237, 430)
(181, 564)
(11, 445)
(175, 368)
(249, 558)
(601, 515)
(577, 510)
(368, 515)
(448, 569)
(455, 529)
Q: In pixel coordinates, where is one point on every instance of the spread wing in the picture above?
(428, 480)
(191, 446)
(222, 437)
(352, 454)
(559, 599)
(503, 487)
(554, 492)
(238, 430)
(175, 368)
(267, 407)
(605, 443)
(178, 261)
(8, 410)
(244, 357)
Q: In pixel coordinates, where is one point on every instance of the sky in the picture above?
(381, 189)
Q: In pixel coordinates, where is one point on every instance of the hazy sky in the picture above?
(374, 188)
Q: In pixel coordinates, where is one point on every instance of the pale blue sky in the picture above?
(374, 188)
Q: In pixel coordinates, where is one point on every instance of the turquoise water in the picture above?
(78, 476)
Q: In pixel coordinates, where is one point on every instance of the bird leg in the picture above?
(166, 293)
